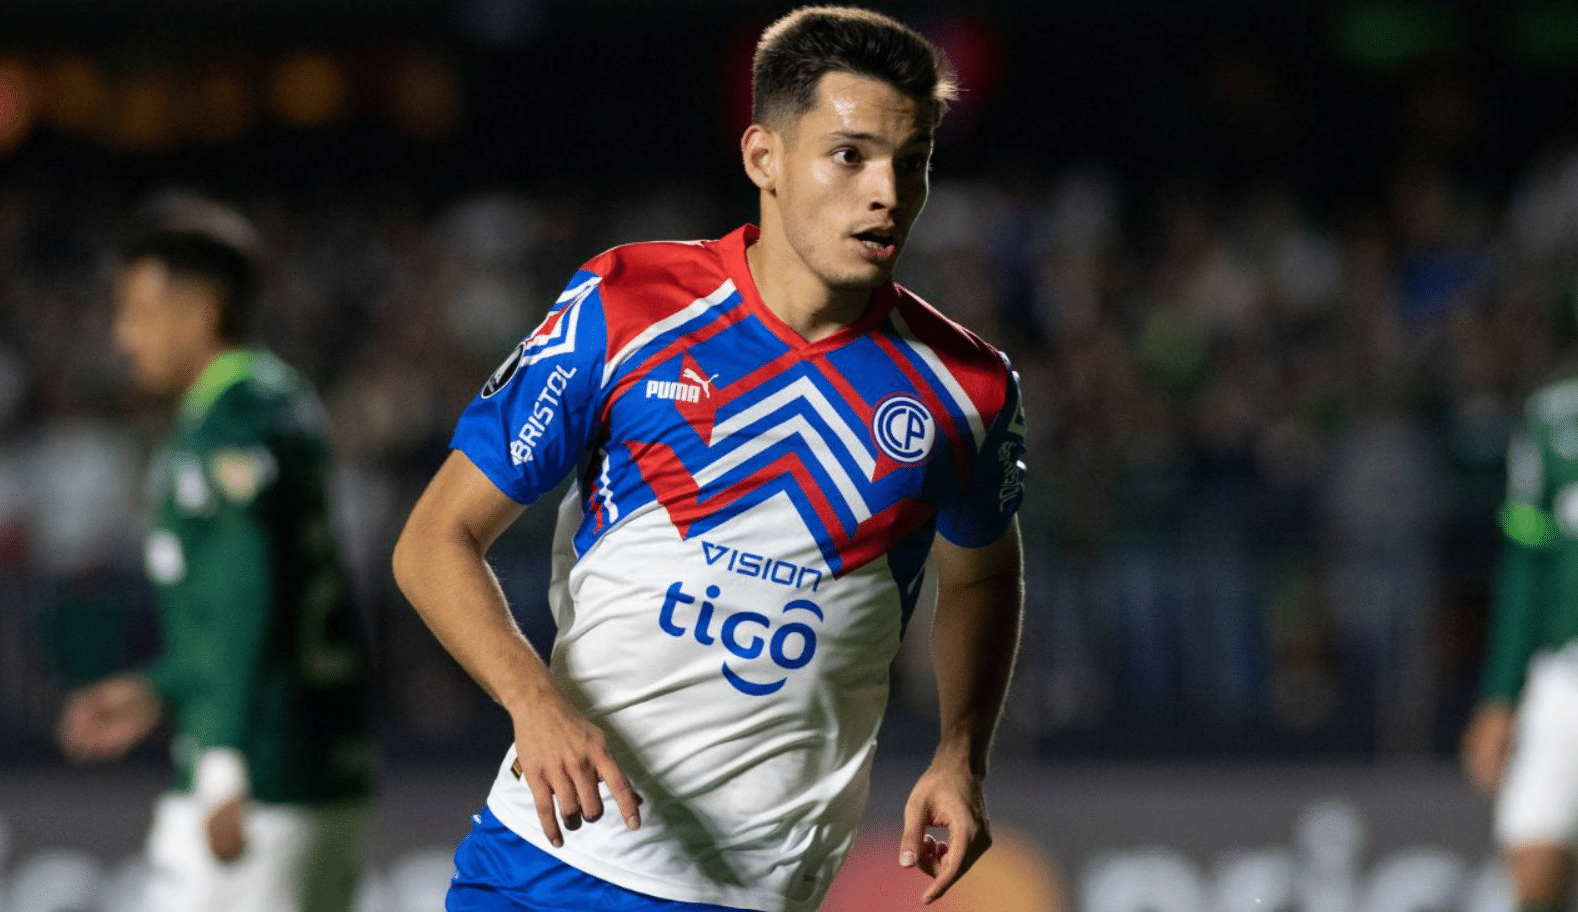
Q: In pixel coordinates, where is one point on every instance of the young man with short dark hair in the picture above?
(769, 438)
(262, 669)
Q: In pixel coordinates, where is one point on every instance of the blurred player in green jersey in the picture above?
(1521, 744)
(263, 671)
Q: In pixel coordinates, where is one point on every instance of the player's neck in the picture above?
(800, 299)
(201, 360)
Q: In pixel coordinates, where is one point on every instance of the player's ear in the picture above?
(200, 303)
(208, 308)
(761, 149)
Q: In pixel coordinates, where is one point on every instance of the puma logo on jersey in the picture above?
(677, 391)
(704, 382)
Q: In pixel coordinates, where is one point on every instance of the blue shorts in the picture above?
(497, 871)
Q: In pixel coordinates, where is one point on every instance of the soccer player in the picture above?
(263, 667)
(768, 438)
(1521, 744)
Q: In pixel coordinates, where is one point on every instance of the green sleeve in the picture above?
(229, 567)
(169, 678)
(1514, 632)
(1518, 599)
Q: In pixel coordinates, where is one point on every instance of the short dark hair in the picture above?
(205, 239)
(795, 52)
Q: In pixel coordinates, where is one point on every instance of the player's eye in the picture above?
(846, 156)
(915, 164)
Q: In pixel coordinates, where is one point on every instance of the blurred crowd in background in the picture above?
(1268, 396)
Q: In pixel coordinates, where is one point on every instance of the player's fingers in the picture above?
(86, 742)
(70, 738)
(969, 839)
(76, 722)
(103, 740)
(568, 799)
(948, 870)
(588, 795)
(86, 747)
(625, 796)
(912, 840)
(929, 854)
(542, 795)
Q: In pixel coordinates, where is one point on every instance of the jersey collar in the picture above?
(733, 246)
(221, 374)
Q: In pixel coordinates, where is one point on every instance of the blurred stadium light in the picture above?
(18, 103)
(309, 89)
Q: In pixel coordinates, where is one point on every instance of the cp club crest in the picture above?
(903, 429)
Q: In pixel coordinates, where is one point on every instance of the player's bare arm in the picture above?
(1486, 741)
(975, 635)
(226, 829)
(440, 565)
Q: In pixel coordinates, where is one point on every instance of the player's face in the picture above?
(853, 178)
(164, 325)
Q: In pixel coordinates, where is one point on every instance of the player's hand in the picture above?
(226, 838)
(946, 796)
(562, 757)
(105, 720)
(1486, 741)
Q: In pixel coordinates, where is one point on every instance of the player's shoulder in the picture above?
(644, 283)
(966, 356)
(652, 266)
(268, 399)
(265, 380)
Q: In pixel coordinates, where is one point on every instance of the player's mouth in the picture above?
(879, 245)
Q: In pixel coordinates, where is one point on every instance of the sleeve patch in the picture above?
(241, 473)
(505, 372)
(192, 493)
(164, 558)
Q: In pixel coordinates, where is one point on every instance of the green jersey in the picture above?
(1536, 592)
(262, 648)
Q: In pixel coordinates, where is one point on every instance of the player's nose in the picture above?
(882, 186)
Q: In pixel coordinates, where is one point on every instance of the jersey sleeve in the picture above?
(996, 483)
(538, 413)
(170, 679)
(229, 589)
(231, 562)
(1529, 532)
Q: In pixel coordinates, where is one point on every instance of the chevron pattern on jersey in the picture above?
(793, 434)
(668, 382)
(557, 334)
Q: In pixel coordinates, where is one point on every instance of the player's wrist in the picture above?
(962, 756)
(529, 694)
(532, 708)
(1495, 706)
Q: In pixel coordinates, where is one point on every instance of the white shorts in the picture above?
(297, 859)
(1538, 802)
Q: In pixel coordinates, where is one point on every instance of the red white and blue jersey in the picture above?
(745, 544)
